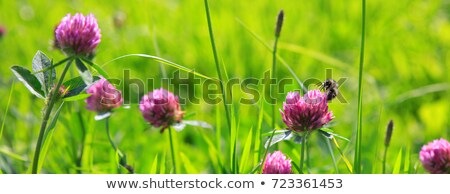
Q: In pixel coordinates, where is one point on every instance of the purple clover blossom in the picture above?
(435, 157)
(78, 34)
(306, 113)
(104, 97)
(2, 31)
(277, 163)
(161, 108)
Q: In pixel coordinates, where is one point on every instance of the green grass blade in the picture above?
(398, 162)
(160, 60)
(422, 91)
(258, 134)
(357, 161)
(327, 141)
(162, 164)
(233, 142)
(416, 167)
(216, 61)
(228, 93)
(347, 163)
(12, 156)
(6, 110)
(214, 154)
(383, 171)
(162, 68)
(154, 168)
(407, 163)
(246, 152)
(273, 91)
(295, 165)
(375, 168)
(268, 119)
(218, 138)
(187, 164)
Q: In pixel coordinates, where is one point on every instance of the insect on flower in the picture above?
(330, 87)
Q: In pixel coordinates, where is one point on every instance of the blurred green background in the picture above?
(406, 78)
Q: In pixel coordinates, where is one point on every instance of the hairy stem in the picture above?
(48, 110)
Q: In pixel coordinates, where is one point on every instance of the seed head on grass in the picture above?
(277, 163)
(306, 113)
(104, 97)
(435, 157)
(389, 129)
(161, 109)
(279, 24)
(77, 35)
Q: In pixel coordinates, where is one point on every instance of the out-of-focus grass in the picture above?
(407, 50)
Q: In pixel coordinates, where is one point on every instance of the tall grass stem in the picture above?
(216, 61)
(278, 27)
(387, 141)
(357, 161)
(274, 89)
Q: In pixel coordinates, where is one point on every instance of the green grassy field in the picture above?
(406, 79)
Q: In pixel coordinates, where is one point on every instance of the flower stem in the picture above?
(357, 161)
(216, 60)
(112, 142)
(122, 158)
(265, 152)
(48, 110)
(302, 152)
(110, 138)
(172, 151)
